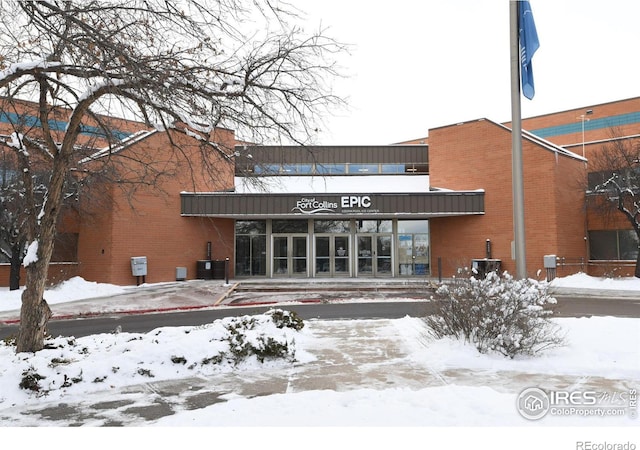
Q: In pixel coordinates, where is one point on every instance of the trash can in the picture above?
(482, 267)
(218, 269)
(204, 269)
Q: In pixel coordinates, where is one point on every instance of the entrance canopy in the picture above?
(421, 205)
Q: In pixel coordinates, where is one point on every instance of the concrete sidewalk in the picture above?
(200, 294)
(174, 296)
(348, 355)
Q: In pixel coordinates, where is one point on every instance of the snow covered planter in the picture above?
(496, 313)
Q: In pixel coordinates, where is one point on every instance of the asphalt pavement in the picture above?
(201, 294)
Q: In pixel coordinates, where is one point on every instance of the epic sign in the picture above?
(355, 201)
(312, 205)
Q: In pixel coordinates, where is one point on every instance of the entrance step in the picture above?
(333, 285)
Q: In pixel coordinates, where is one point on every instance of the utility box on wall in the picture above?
(181, 273)
(550, 261)
(139, 266)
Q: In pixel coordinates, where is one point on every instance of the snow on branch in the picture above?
(16, 140)
(32, 254)
(17, 68)
(110, 82)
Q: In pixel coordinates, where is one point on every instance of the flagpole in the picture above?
(519, 248)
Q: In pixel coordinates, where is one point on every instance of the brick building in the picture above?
(101, 231)
(423, 208)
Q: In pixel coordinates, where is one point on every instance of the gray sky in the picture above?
(417, 65)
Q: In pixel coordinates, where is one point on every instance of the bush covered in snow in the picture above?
(496, 313)
(244, 341)
(131, 358)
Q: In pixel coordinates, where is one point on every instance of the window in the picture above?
(413, 226)
(331, 169)
(363, 169)
(251, 247)
(613, 245)
(251, 227)
(267, 169)
(596, 179)
(289, 226)
(417, 168)
(625, 177)
(392, 168)
(413, 247)
(8, 176)
(373, 226)
(331, 226)
(294, 169)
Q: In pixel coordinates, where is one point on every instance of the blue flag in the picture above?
(528, 38)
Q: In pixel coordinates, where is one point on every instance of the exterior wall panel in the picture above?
(332, 154)
(429, 204)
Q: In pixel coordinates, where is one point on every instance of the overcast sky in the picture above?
(417, 65)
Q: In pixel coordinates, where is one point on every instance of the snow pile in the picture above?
(584, 281)
(73, 367)
(75, 288)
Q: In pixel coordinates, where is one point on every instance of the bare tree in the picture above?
(12, 218)
(615, 182)
(186, 67)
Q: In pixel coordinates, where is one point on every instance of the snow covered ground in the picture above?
(453, 385)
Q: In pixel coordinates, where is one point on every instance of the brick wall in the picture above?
(572, 116)
(148, 223)
(477, 155)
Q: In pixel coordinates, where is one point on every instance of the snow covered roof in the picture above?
(532, 138)
(122, 144)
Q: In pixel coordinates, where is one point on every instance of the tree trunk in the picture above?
(35, 312)
(16, 262)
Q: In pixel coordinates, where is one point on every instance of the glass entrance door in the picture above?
(383, 256)
(332, 256)
(413, 254)
(374, 255)
(341, 256)
(289, 255)
(365, 255)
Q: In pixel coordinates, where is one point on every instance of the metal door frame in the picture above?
(375, 272)
(290, 258)
(333, 255)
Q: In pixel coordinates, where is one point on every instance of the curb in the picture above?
(226, 294)
(163, 310)
(106, 313)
